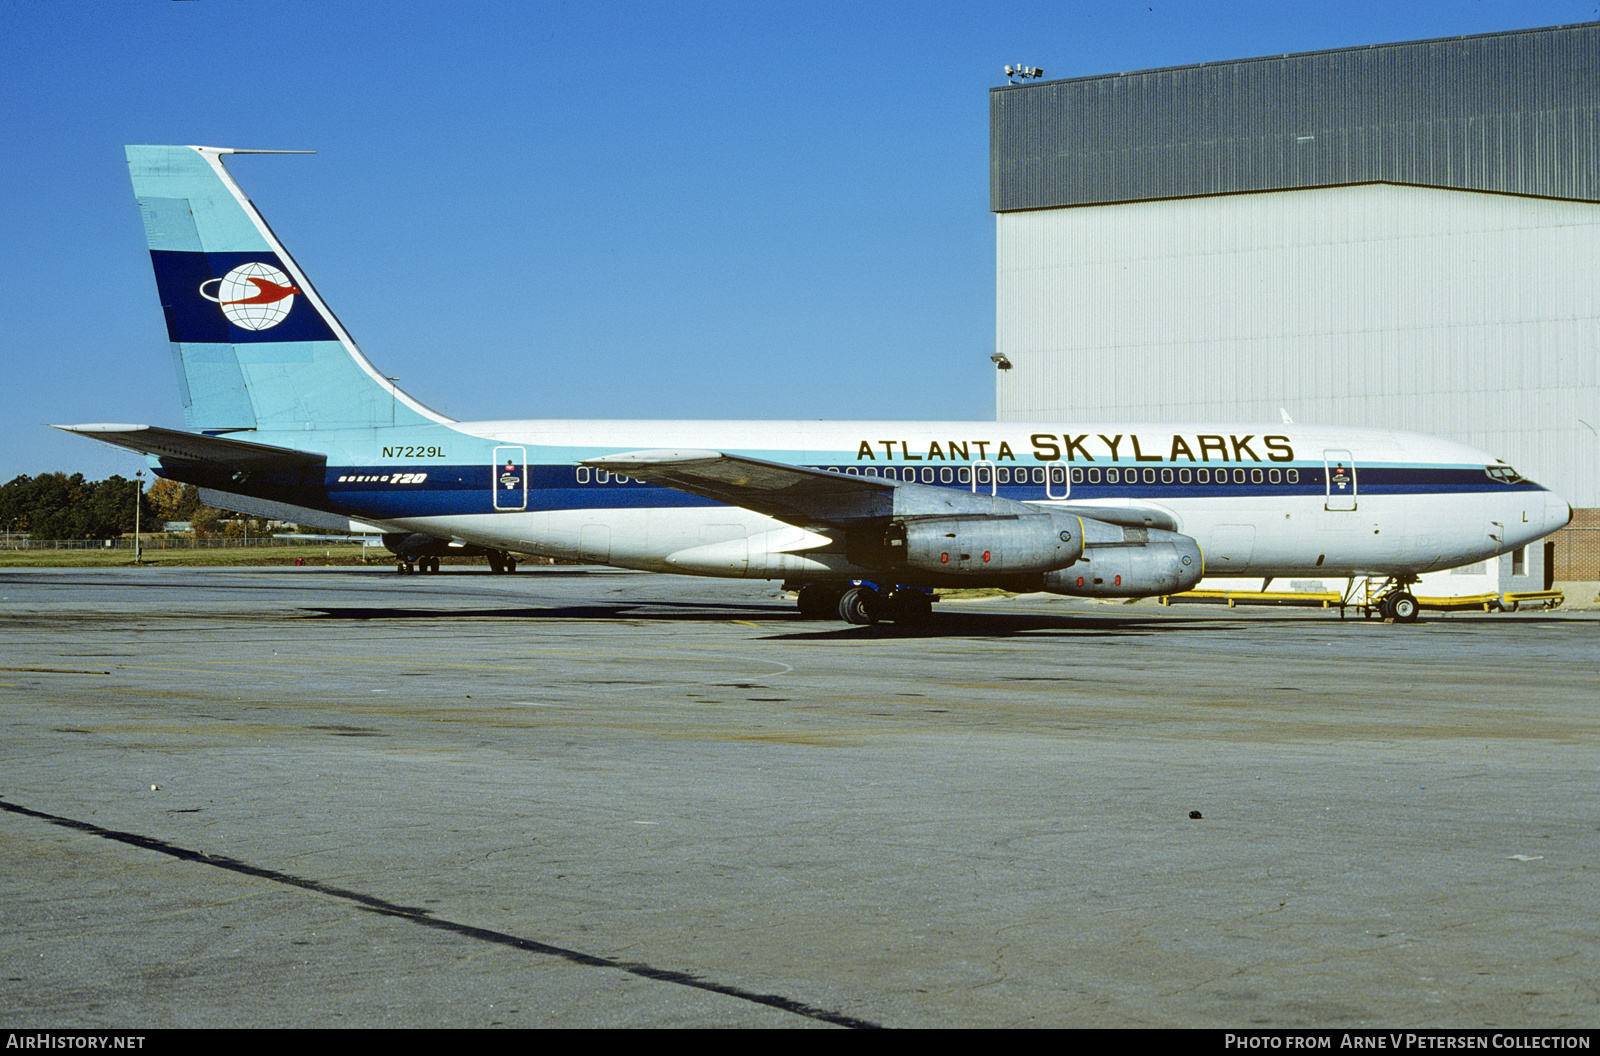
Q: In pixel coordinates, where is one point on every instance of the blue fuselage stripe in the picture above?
(394, 492)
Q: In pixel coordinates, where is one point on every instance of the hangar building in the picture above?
(1402, 235)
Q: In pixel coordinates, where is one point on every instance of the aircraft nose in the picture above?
(1557, 512)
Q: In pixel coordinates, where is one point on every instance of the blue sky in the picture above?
(573, 210)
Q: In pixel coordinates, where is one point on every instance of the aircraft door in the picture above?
(1057, 476)
(1340, 474)
(508, 478)
(983, 472)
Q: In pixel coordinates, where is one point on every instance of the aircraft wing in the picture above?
(817, 498)
(808, 498)
(198, 447)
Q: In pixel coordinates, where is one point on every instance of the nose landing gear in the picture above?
(1399, 606)
(1392, 600)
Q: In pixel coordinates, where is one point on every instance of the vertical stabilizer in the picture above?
(254, 345)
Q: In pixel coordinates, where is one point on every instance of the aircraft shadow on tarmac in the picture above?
(978, 625)
(592, 611)
(797, 627)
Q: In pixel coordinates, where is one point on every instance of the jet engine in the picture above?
(1143, 563)
(973, 546)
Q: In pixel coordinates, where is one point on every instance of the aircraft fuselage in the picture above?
(1295, 500)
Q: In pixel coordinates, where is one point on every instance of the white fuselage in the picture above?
(1270, 500)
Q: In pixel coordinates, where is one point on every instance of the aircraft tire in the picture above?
(858, 605)
(497, 563)
(1402, 607)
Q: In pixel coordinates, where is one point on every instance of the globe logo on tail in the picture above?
(253, 296)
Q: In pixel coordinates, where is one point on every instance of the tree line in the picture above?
(58, 506)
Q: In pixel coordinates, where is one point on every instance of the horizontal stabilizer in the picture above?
(198, 447)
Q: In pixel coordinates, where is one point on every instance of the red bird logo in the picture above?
(263, 309)
(266, 292)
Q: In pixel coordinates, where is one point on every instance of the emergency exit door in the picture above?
(509, 478)
(1340, 474)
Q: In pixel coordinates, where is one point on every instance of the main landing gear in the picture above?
(865, 603)
(499, 562)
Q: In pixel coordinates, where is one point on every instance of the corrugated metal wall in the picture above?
(1508, 112)
(1474, 316)
(1347, 288)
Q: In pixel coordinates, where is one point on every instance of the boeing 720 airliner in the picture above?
(286, 417)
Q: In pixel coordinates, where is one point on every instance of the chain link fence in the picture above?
(22, 542)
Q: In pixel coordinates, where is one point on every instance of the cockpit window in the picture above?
(1504, 474)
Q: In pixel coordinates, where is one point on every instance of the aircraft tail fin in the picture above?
(254, 345)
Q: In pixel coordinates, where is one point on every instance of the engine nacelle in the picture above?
(1147, 562)
(973, 546)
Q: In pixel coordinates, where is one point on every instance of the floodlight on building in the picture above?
(1000, 361)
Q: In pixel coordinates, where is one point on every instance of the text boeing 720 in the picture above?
(285, 416)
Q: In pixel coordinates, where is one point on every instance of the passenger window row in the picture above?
(1025, 475)
(602, 476)
(1080, 475)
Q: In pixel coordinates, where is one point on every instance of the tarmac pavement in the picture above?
(584, 798)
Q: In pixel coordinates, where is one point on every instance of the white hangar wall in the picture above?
(1460, 313)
